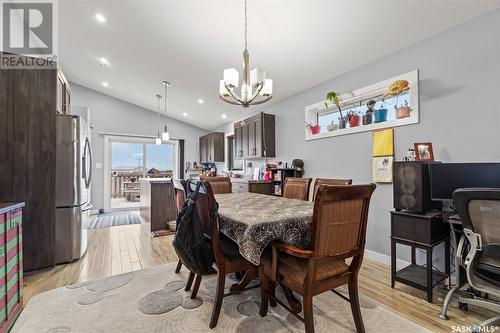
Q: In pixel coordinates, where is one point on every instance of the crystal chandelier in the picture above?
(254, 82)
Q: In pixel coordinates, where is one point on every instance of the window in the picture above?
(323, 118)
(329, 117)
(161, 158)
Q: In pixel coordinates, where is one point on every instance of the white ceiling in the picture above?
(189, 43)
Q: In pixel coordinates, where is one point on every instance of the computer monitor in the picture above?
(447, 177)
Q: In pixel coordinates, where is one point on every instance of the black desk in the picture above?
(419, 231)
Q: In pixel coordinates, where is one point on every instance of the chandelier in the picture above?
(254, 82)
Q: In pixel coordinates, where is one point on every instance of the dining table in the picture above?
(254, 220)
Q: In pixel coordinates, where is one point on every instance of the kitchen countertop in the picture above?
(239, 180)
(8, 206)
(156, 180)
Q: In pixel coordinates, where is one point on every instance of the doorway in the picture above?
(128, 160)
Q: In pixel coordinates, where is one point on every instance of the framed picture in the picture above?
(423, 151)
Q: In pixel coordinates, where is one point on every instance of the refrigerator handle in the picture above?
(90, 164)
(87, 162)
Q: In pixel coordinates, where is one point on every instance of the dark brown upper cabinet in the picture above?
(212, 147)
(254, 137)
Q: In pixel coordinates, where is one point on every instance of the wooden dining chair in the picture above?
(226, 252)
(338, 233)
(297, 188)
(219, 185)
(328, 181)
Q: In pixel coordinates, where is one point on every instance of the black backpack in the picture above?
(189, 243)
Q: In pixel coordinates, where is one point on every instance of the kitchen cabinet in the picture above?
(60, 95)
(203, 149)
(212, 147)
(157, 202)
(63, 94)
(261, 187)
(29, 98)
(244, 141)
(255, 137)
(238, 141)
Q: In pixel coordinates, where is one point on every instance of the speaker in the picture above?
(412, 187)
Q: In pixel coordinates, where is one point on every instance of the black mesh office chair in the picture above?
(479, 210)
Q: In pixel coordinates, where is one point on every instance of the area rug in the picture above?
(153, 300)
(112, 219)
(161, 233)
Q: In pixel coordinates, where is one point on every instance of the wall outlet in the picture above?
(98, 165)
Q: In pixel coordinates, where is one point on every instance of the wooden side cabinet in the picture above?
(11, 264)
(212, 148)
(419, 231)
(260, 186)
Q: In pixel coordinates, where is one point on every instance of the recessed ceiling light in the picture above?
(104, 61)
(185, 114)
(200, 101)
(224, 116)
(105, 84)
(100, 18)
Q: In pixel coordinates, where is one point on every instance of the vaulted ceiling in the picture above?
(190, 43)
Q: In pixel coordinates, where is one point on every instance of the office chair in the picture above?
(479, 210)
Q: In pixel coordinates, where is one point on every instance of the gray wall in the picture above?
(111, 115)
(459, 113)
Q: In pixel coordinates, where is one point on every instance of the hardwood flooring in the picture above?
(127, 248)
(111, 251)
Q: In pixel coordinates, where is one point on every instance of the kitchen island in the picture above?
(157, 202)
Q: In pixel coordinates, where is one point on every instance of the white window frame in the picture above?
(312, 111)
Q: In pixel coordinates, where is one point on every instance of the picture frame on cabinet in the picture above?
(423, 151)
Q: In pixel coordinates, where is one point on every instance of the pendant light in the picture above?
(158, 138)
(254, 82)
(165, 135)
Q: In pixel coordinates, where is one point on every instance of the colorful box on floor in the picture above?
(11, 265)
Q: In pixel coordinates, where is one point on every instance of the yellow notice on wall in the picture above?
(383, 142)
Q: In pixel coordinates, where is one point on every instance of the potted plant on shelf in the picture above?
(380, 115)
(403, 111)
(353, 118)
(395, 89)
(332, 127)
(315, 129)
(334, 98)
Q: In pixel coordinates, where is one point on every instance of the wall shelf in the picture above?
(360, 96)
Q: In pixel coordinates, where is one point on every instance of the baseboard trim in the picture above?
(384, 259)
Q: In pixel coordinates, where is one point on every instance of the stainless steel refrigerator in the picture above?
(73, 180)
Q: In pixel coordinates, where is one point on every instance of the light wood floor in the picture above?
(122, 249)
